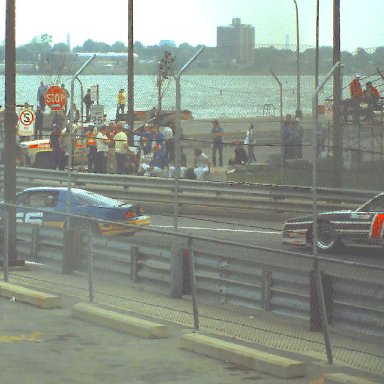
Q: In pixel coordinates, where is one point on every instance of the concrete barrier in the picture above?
(244, 356)
(120, 322)
(30, 296)
(342, 378)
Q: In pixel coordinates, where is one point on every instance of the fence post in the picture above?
(176, 283)
(193, 284)
(266, 290)
(315, 314)
(134, 257)
(71, 250)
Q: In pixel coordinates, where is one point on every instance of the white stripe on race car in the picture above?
(269, 232)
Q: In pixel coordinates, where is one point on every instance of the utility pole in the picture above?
(337, 127)
(10, 255)
(131, 96)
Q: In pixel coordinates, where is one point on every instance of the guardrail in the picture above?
(247, 276)
(224, 196)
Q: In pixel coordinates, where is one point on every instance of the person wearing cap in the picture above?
(87, 100)
(91, 146)
(356, 94)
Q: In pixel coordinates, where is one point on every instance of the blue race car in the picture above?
(53, 201)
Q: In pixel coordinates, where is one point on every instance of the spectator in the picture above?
(356, 97)
(102, 145)
(169, 144)
(75, 114)
(92, 149)
(121, 100)
(58, 154)
(202, 165)
(217, 142)
(158, 162)
(121, 147)
(41, 95)
(371, 96)
(240, 155)
(87, 100)
(39, 126)
(250, 141)
(287, 135)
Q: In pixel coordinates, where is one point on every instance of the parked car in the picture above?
(362, 226)
(53, 202)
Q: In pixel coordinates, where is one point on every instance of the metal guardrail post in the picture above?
(193, 284)
(176, 275)
(35, 241)
(317, 276)
(134, 257)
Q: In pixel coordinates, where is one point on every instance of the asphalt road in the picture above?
(263, 231)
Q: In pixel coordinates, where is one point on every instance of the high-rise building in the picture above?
(236, 41)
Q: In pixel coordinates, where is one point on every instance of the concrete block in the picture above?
(244, 356)
(30, 296)
(120, 322)
(342, 378)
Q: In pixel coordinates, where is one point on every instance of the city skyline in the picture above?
(185, 22)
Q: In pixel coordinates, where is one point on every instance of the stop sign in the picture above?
(55, 98)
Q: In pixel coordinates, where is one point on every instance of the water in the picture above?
(207, 96)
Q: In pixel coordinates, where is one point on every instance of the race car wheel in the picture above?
(327, 240)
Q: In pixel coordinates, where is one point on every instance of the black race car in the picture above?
(362, 226)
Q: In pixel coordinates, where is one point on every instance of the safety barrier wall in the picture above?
(223, 195)
(245, 277)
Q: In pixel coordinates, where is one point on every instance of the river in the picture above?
(207, 96)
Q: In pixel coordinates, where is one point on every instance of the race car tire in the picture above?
(327, 239)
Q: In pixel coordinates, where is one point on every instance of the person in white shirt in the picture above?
(121, 147)
(102, 142)
(201, 163)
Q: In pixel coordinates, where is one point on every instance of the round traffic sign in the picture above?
(55, 98)
(27, 117)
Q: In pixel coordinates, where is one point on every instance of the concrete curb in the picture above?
(30, 296)
(247, 357)
(120, 322)
(342, 378)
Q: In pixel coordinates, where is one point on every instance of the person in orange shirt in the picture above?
(356, 93)
(371, 96)
(91, 145)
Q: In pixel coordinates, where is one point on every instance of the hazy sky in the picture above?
(195, 21)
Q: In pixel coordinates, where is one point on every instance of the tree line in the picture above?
(44, 57)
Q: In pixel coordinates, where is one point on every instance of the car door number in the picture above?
(30, 217)
(377, 226)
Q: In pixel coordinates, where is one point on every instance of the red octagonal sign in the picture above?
(55, 98)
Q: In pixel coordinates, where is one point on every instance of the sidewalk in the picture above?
(268, 331)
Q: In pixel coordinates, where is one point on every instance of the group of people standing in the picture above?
(370, 95)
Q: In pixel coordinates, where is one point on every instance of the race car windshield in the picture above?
(96, 200)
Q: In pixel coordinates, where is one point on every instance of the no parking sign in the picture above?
(26, 123)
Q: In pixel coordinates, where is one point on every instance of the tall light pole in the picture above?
(298, 103)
